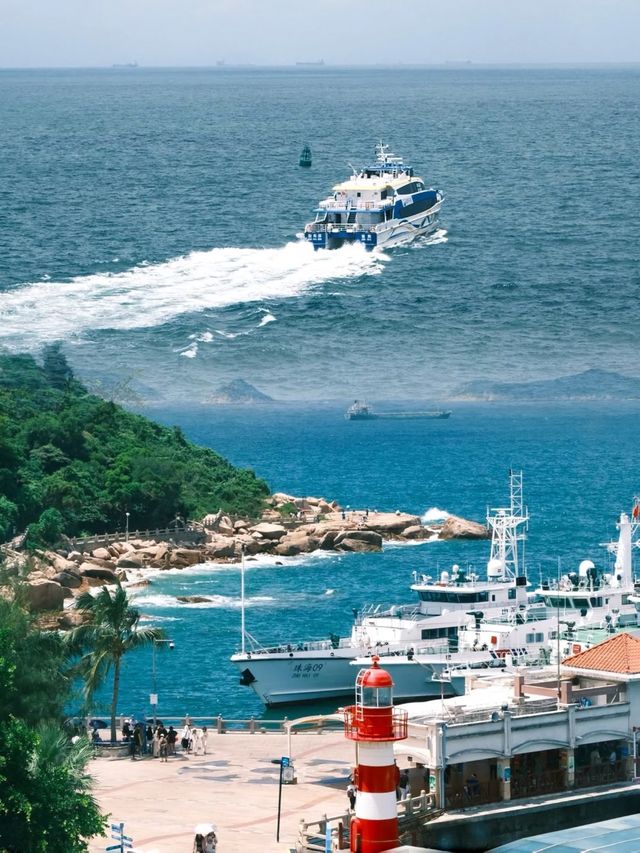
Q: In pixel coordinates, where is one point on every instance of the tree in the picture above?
(112, 630)
(45, 800)
(47, 530)
(55, 366)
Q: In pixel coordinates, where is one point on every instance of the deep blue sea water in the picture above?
(149, 220)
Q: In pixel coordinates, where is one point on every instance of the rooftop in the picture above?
(620, 654)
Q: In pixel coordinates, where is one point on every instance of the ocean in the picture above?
(150, 220)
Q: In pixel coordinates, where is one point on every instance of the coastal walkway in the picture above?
(234, 786)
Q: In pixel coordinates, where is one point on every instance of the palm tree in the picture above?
(111, 630)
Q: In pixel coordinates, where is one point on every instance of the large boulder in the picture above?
(102, 553)
(89, 570)
(225, 526)
(295, 543)
(128, 561)
(189, 556)
(251, 545)
(390, 522)
(99, 561)
(62, 564)
(221, 547)
(68, 579)
(358, 540)
(269, 531)
(417, 531)
(328, 540)
(459, 528)
(44, 594)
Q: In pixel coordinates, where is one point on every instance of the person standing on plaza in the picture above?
(172, 737)
(163, 747)
(155, 743)
(351, 793)
(205, 738)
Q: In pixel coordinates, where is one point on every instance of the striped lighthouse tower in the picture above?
(375, 724)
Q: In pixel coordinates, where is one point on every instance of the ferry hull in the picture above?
(396, 233)
(295, 680)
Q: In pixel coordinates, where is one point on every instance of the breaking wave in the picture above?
(434, 514)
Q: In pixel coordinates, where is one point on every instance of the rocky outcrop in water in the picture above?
(290, 526)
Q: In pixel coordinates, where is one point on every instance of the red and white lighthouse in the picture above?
(375, 724)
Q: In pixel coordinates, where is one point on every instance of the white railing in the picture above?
(312, 835)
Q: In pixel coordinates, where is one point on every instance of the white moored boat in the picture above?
(310, 671)
(598, 603)
(384, 204)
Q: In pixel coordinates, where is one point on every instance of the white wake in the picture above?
(151, 295)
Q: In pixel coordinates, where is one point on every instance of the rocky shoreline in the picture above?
(289, 527)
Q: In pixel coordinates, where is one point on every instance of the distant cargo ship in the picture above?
(315, 63)
(361, 411)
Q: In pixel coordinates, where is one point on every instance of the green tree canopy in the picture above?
(91, 461)
(45, 798)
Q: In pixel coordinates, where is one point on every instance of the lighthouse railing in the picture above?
(390, 726)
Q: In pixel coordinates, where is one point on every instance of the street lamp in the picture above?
(126, 533)
(153, 698)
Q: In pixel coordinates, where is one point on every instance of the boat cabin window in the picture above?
(321, 217)
(447, 597)
(512, 593)
(439, 633)
(369, 217)
(413, 187)
(536, 637)
(351, 217)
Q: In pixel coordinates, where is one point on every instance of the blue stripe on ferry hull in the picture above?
(336, 239)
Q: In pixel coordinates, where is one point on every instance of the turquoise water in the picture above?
(580, 466)
(150, 220)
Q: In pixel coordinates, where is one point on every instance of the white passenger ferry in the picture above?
(384, 204)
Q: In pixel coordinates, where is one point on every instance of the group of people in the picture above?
(160, 742)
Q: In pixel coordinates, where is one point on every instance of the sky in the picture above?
(68, 33)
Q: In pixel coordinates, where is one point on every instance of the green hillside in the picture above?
(63, 450)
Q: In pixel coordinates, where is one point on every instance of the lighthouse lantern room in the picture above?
(375, 724)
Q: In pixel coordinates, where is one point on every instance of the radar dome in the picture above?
(584, 567)
(495, 568)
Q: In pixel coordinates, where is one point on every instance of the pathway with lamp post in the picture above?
(234, 786)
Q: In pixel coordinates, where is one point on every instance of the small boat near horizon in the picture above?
(383, 204)
(362, 411)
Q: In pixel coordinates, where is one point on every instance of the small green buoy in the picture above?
(305, 157)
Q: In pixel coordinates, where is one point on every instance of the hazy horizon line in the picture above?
(307, 65)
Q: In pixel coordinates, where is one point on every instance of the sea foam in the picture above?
(150, 295)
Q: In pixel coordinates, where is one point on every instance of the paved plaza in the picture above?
(234, 786)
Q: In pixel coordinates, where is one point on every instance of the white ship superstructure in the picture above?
(383, 204)
(571, 607)
(311, 671)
